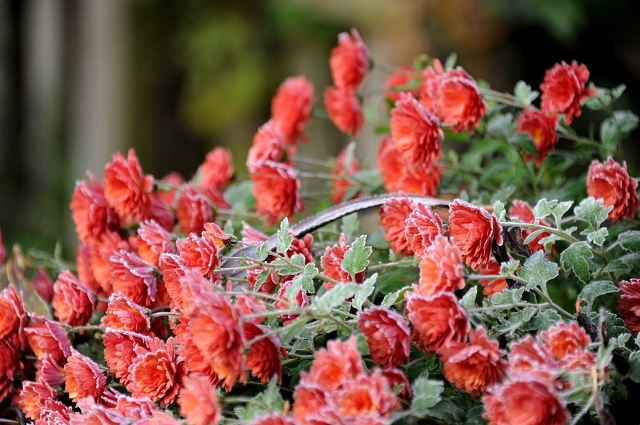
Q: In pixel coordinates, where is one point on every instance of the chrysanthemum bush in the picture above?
(511, 298)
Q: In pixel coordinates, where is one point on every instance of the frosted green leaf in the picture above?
(394, 297)
(559, 210)
(508, 296)
(596, 237)
(524, 93)
(240, 196)
(350, 225)
(262, 252)
(630, 240)
(469, 299)
(576, 258)
(426, 394)
(617, 127)
(544, 208)
(355, 258)
(336, 296)
(364, 291)
(502, 126)
(593, 290)
(542, 321)
(498, 210)
(538, 270)
(592, 211)
(261, 279)
(284, 239)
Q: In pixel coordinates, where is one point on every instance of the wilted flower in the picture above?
(133, 277)
(331, 262)
(387, 334)
(83, 377)
(263, 358)
(120, 353)
(563, 89)
(9, 365)
(492, 286)
(268, 144)
(277, 191)
(542, 129)
(415, 131)
(612, 183)
(342, 183)
(473, 230)
(291, 108)
(125, 315)
(349, 61)
(441, 268)
(216, 171)
(436, 320)
(392, 219)
(73, 302)
(192, 209)
(47, 337)
(523, 212)
(401, 82)
(344, 110)
(422, 228)
(90, 210)
(475, 366)
(199, 403)
(629, 304)
(33, 396)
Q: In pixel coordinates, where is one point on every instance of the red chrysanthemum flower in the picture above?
(169, 187)
(291, 108)
(529, 357)
(73, 302)
(133, 277)
(366, 398)
(90, 210)
(343, 172)
(492, 286)
(268, 286)
(568, 345)
(453, 96)
(349, 61)
(199, 403)
(387, 334)
(171, 267)
(252, 235)
(300, 299)
(273, 419)
(415, 131)
(47, 337)
(153, 241)
(54, 412)
(524, 400)
(192, 209)
(13, 318)
(129, 407)
(441, 268)
(50, 371)
(33, 396)
(629, 304)
(396, 377)
(276, 188)
(125, 315)
(158, 418)
(542, 129)
(612, 183)
(563, 89)
(422, 228)
(392, 219)
(310, 402)
(83, 377)
(120, 352)
(85, 273)
(401, 82)
(216, 171)
(473, 230)
(248, 304)
(100, 253)
(43, 284)
(331, 262)
(268, 145)
(436, 320)
(523, 212)
(263, 358)
(338, 363)
(98, 414)
(344, 110)
(9, 366)
(200, 254)
(473, 367)
(155, 374)
(397, 176)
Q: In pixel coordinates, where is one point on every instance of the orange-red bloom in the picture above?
(568, 345)
(301, 299)
(422, 228)
(401, 82)
(203, 254)
(90, 210)
(291, 108)
(415, 131)
(133, 408)
(331, 262)
(398, 176)
(83, 377)
(276, 188)
(473, 367)
(333, 366)
(125, 315)
(199, 403)
(441, 268)
(155, 374)
(268, 144)
(542, 129)
(216, 171)
(342, 183)
(349, 61)
(9, 366)
(436, 320)
(492, 286)
(344, 110)
(273, 419)
(263, 358)
(171, 267)
(629, 304)
(133, 277)
(167, 192)
(73, 302)
(366, 398)
(612, 183)
(192, 209)
(473, 230)
(396, 377)
(33, 396)
(523, 212)
(13, 318)
(529, 357)
(563, 89)
(153, 241)
(50, 371)
(100, 252)
(393, 216)
(387, 334)
(54, 412)
(524, 400)
(120, 352)
(47, 337)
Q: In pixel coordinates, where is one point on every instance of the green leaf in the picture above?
(517, 320)
(240, 196)
(284, 239)
(502, 126)
(521, 140)
(634, 366)
(426, 394)
(336, 296)
(469, 299)
(559, 210)
(364, 291)
(508, 296)
(604, 98)
(292, 292)
(593, 290)
(615, 326)
(592, 211)
(533, 235)
(261, 279)
(294, 328)
(450, 62)
(622, 265)
(498, 210)
(552, 238)
(394, 297)
(598, 237)
(301, 344)
(262, 252)
(355, 258)
(306, 278)
(542, 321)
(502, 195)
(630, 240)
(524, 93)
(576, 257)
(283, 268)
(350, 226)
(544, 208)
(538, 270)
(447, 411)
(617, 127)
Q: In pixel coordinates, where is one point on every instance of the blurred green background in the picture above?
(80, 79)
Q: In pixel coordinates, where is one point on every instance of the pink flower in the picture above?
(441, 268)
(349, 61)
(120, 353)
(33, 397)
(202, 254)
(387, 334)
(612, 183)
(276, 188)
(123, 314)
(300, 299)
(90, 210)
(13, 318)
(73, 303)
(333, 366)
(563, 89)
(263, 358)
(291, 108)
(47, 337)
(268, 144)
(43, 284)
(216, 170)
(344, 110)
(133, 277)
(153, 241)
(9, 366)
(83, 377)
(193, 209)
(199, 403)
(331, 262)
(542, 129)
(422, 229)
